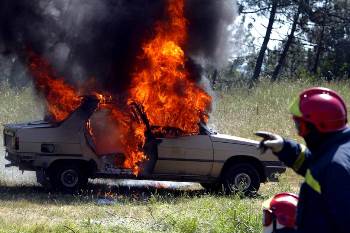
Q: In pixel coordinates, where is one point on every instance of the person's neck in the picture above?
(315, 140)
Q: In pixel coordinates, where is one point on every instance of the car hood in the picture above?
(232, 139)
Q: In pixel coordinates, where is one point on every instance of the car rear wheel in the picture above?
(68, 178)
(241, 178)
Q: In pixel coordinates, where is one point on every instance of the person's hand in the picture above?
(270, 141)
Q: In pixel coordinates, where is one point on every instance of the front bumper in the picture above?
(272, 173)
(273, 169)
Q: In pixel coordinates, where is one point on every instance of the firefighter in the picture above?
(320, 117)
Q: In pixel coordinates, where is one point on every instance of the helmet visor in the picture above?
(294, 108)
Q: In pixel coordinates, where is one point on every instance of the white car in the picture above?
(64, 156)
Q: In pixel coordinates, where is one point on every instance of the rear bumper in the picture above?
(12, 158)
(22, 162)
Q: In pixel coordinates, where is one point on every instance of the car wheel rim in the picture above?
(69, 178)
(242, 181)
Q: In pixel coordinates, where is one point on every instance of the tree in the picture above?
(286, 46)
(263, 48)
(316, 45)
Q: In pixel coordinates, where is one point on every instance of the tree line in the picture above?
(316, 46)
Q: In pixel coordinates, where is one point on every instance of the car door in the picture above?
(189, 155)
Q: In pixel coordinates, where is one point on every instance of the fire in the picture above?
(132, 138)
(164, 87)
(161, 84)
(62, 99)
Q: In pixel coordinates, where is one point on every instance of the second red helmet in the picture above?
(322, 107)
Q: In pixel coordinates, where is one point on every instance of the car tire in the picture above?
(241, 179)
(68, 178)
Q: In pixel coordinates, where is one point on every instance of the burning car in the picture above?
(64, 154)
(153, 126)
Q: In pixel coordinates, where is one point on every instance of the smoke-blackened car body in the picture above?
(64, 155)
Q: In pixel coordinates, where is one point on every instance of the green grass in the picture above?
(25, 207)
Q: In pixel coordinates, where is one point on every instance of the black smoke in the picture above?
(208, 29)
(101, 38)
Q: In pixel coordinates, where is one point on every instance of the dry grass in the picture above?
(241, 111)
(26, 207)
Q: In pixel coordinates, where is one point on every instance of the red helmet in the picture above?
(280, 212)
(322, 107)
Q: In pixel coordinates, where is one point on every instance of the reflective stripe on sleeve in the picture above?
(301, 158)
(312, 182)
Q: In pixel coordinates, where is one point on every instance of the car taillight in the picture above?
(268, 217)
(16, 143)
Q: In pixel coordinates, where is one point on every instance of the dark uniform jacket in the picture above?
(324, 204)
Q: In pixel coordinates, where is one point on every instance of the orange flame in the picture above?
(160, 83)
(62, 99)
(132, 138)
(164, 87)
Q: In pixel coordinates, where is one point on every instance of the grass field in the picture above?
(150, 206)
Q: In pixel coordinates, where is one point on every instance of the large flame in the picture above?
(160, 84)
(164, 86)
(132, 138)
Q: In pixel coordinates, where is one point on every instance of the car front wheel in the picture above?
(241, 178)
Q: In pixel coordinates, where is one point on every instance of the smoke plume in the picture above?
(101, 39)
